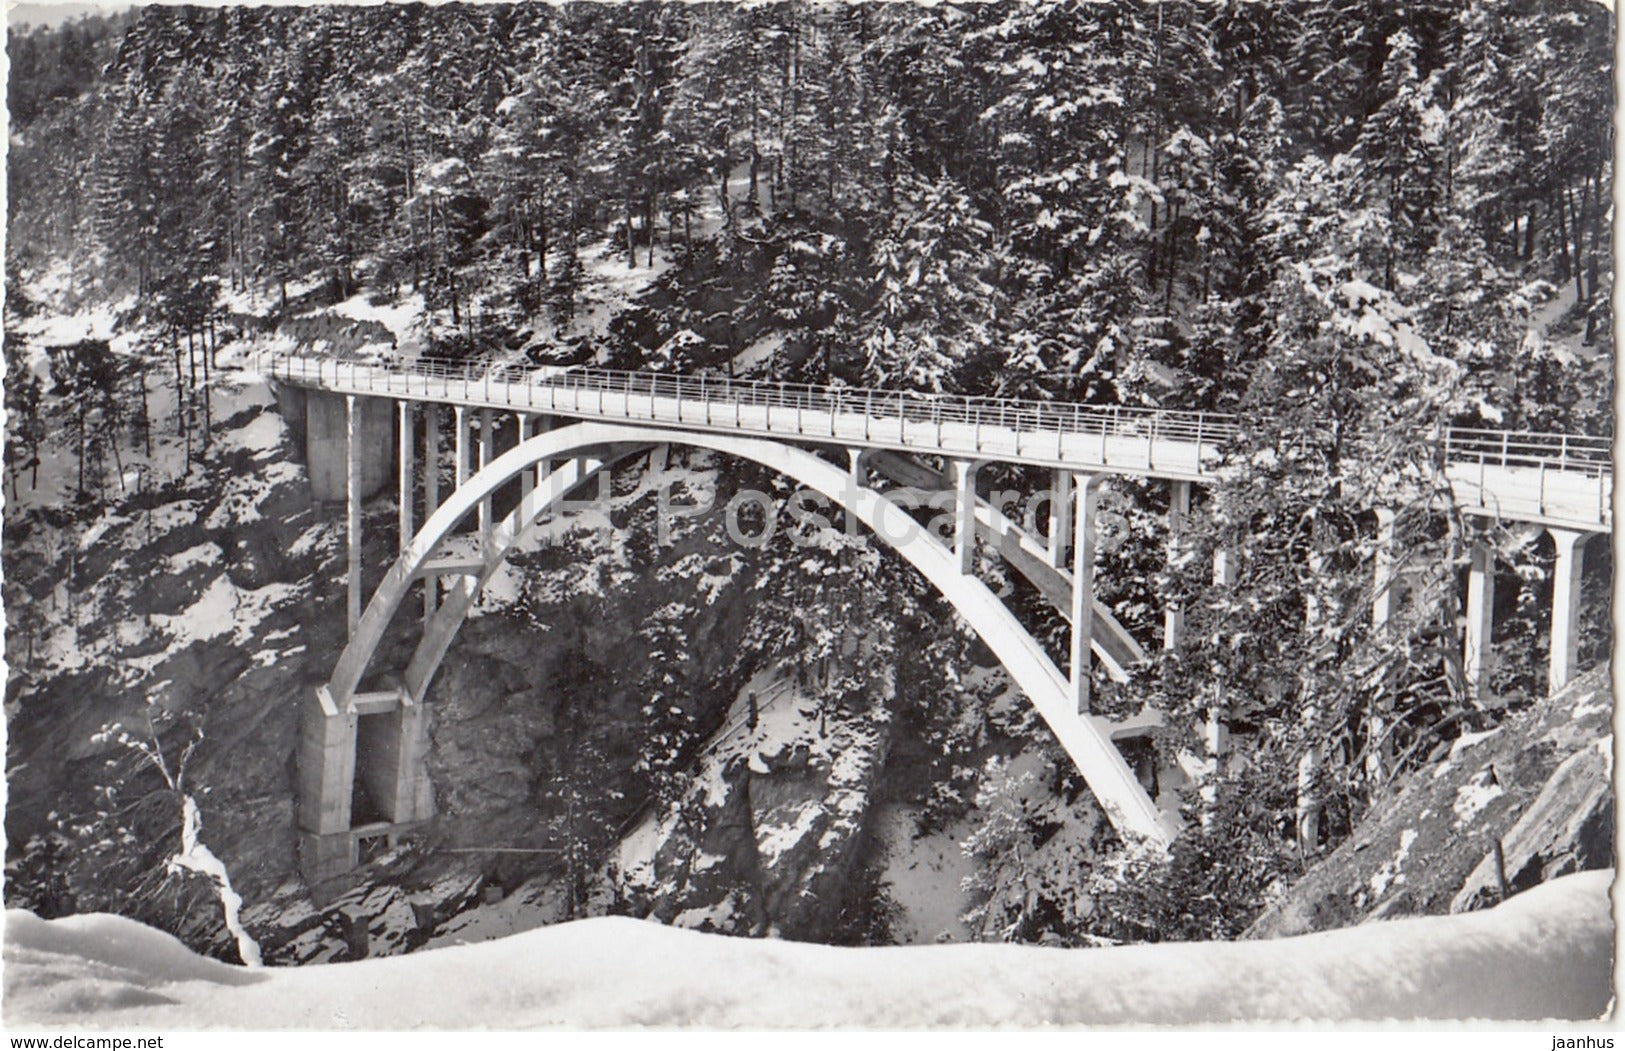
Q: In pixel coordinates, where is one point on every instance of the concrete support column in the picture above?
(527, 479)
(487, 444)
(544, 467)
(1566, 584)
(1060, 517)
(407, 526)
(1480, 618)
(352, 504)
(459, 446)
(858, 479)
(1179, 508)
(459, 449)
(326, 764)
(1216, 734)
(414, 797)
(1086, 499)
(965, 514)
(431, 495)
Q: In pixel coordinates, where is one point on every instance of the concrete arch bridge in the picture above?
(362, 431)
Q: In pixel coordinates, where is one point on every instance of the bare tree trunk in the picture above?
(631, 245)
(81, 443)
(1577, 240)
(146, 418)
(1561, 213)
(1592, 195)
(180, 398)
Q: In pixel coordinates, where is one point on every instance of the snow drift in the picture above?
(1544, 954)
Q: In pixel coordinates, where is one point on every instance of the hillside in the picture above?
(1541, 786)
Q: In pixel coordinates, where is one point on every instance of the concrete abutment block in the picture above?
(326, 445)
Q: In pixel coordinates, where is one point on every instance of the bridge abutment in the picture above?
(327, 755)
(372, 743)
(327, 444)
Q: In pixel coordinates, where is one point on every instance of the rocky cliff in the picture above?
(1526, 803)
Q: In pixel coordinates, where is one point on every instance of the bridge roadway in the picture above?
(1559, 480)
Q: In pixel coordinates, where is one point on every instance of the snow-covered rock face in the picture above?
(764, 839)
(1540, 786)
(198, 599)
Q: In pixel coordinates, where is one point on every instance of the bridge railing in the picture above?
(478, 380)
(486, 381)
(1548, 449)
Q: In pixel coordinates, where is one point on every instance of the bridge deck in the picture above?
(1550, 479)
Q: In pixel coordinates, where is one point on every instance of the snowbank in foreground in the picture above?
(1546, 953)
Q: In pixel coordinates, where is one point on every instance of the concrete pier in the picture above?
(1085, 503)
(1480, 619)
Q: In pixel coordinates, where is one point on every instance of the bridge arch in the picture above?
(591, 445)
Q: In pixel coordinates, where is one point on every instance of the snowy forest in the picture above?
(1353, 224)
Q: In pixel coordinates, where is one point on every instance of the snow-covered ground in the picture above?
(1545, 954)
(924, 877)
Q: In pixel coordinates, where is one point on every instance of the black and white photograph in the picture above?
(805, 515)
